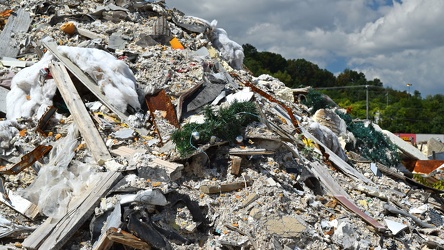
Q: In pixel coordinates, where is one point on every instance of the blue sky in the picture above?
(398, 42)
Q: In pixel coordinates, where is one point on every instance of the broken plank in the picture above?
(127, 152)
(337, 161)
(87, 33)
(227, 187)
(404, 146)
(55, 232)
(235, 164)
(18, 24)
(86, 80)
(78, 110)
(20, 204)
(250, 151)
(336, 190)
(127, 239)
(113, 220)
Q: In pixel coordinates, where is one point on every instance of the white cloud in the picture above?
(396, 41)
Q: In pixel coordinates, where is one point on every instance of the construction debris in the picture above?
(131, 125)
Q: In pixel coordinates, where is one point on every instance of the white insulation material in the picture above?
(8, 129)
(113, 76)
(29, 95)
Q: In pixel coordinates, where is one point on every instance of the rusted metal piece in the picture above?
(27, 160)
(294, 121)
(45, 119)
(125, 238)
(346, 202)
(161, 101)
(427, 166)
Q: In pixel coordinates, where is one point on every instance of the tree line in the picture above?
(396, 111)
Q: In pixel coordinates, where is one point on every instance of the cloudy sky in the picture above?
(399, 41)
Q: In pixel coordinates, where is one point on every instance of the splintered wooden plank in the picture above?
(18, 23)
(337, 161)
(78, 110)
(20, 204)
(404, 146)
(86, 80)
(55, 232)
(339, 193)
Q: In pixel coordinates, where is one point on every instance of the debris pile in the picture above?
(128, 123)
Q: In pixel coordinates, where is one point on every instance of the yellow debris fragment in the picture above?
(69, 28)
(175, 44)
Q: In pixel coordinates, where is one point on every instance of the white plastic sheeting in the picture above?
(229, 49)
(328, 138)
(61, 178)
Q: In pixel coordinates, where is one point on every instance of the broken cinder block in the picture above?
(160, 170)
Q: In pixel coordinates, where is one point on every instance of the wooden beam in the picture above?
(55, 232)
(339, 193)
(78, 110)
(18, 23)
(235, 164)
(336, 160)
(226, 187)
(20, 204)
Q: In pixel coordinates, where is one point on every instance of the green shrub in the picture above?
(226, 124)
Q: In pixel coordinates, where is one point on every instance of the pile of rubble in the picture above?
(129, 124)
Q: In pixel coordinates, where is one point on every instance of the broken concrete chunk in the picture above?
(331, 120)
(116, 41)
(160, 170)
(285, 226)
(125, 134)
(152, 197)
(346, 235)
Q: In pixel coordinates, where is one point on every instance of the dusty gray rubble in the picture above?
(89, 155)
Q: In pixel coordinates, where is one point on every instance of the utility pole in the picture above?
(409, 85)
(357, 86)
(366, 101)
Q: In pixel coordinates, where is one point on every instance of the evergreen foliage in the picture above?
(226, 124)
